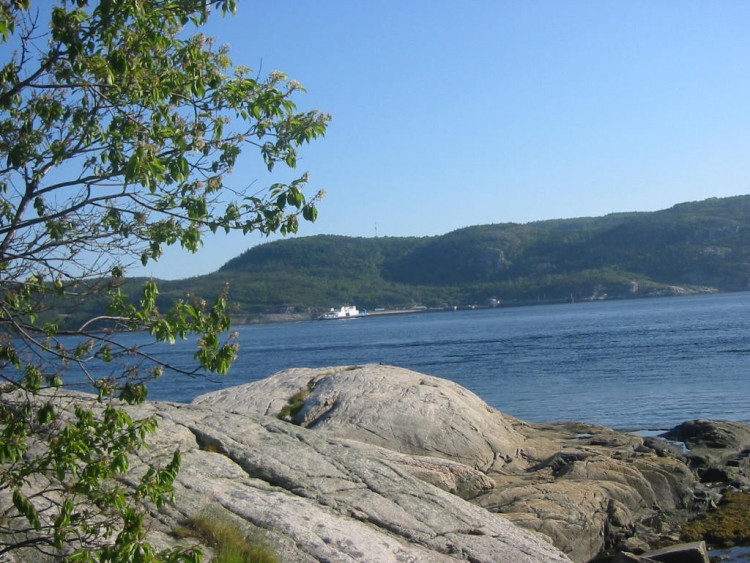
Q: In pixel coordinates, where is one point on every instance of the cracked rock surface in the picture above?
(586, 488)
(387, 406)
(322, 499)
(379, 463)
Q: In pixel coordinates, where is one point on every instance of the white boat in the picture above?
(346, 312)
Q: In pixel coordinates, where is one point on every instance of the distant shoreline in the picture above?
(264, 318)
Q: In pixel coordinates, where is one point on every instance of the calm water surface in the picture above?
(637, 365)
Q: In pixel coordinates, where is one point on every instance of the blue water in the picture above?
(632, 365)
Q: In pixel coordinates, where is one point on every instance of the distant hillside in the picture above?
(691, 247)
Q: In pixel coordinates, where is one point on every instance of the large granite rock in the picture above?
(586, 488)
(318, 498)
(392, 407)
(378, 463)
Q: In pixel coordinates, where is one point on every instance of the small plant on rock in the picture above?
(230, 544)
(295, 403)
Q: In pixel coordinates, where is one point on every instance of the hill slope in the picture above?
(699, 246)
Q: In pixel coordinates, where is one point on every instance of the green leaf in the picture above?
(310, 213)
(120, 463)
(8, 354)
(46, 413)
(11, 452)
(24, 506)
(39, 206)
(133, 393)
(62, 522)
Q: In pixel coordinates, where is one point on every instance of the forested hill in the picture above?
(691, 247)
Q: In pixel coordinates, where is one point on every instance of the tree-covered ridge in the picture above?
(317, 255)
(697, 246)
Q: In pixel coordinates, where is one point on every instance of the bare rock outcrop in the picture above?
(378, 463)
(587, 488)
(718, 450)
(318, 498)
(392, 407)
(595, 493)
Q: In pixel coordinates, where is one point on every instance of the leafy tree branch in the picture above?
(120, 127)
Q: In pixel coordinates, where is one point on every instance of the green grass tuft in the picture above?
(295, 403)
(229, 543)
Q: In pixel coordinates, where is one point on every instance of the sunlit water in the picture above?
(635, 365)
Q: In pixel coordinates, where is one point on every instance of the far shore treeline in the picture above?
(690, 248)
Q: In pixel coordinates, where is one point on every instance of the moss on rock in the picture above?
(727, 526)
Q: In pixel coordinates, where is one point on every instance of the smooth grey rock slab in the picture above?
(322, 499)
(392, 407)
(581, 485)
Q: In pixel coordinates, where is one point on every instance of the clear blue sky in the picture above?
(451, 114)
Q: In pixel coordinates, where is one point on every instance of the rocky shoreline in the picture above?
(588, 489)
(379, 463)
